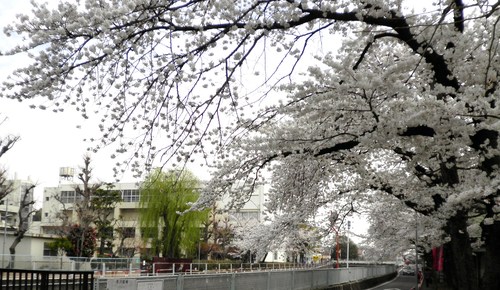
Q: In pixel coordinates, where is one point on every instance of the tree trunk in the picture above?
(459, 260)
(163, 242)
(12, 250)
(263, 260)
(490, 278)
(101, 246)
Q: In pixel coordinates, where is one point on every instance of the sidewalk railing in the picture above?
(136, 267)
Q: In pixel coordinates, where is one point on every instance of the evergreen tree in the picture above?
(83, 241)
(353, 249)
(102, 204)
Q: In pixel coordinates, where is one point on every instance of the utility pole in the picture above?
(416, 248)
(199, 250)
(5, 228)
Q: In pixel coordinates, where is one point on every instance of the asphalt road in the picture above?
(399, 283)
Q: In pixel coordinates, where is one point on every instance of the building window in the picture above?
(37, 216)
(128, 232)
(48, 251)
(51, 230)
(68, 196)
(245, 215)
(130, 195)
(46, 214)
(46, 198)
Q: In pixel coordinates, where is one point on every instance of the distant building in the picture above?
(251, 211)
(10, 217)
(61, 199)
(9, 206)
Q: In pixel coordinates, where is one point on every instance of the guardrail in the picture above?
(206, 268)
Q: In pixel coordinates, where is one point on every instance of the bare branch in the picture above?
(7, 143)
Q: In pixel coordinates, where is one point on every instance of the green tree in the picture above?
(164, 196)
(102, 205)
(90, 210)
(353, 249)
(83, 241)
(60, 245)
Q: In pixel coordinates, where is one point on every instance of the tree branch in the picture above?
(369, 44)
(458, 15)
(7, 143)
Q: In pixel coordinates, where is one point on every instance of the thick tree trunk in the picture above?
(491, 270)
(12, 250)
(459, 259)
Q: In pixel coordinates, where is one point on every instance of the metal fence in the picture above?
(304, 279)
(131, 274)
(46, 279)
(64, 263)
(136, 267)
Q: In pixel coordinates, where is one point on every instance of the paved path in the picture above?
(399, 283)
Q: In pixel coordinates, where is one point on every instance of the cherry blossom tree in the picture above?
(26, 202)
(405, 112)
(6, 143)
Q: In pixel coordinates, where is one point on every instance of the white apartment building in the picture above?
(9, 206)
(126, 212)
(31, 244)
(60, 198)
(252, 210)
